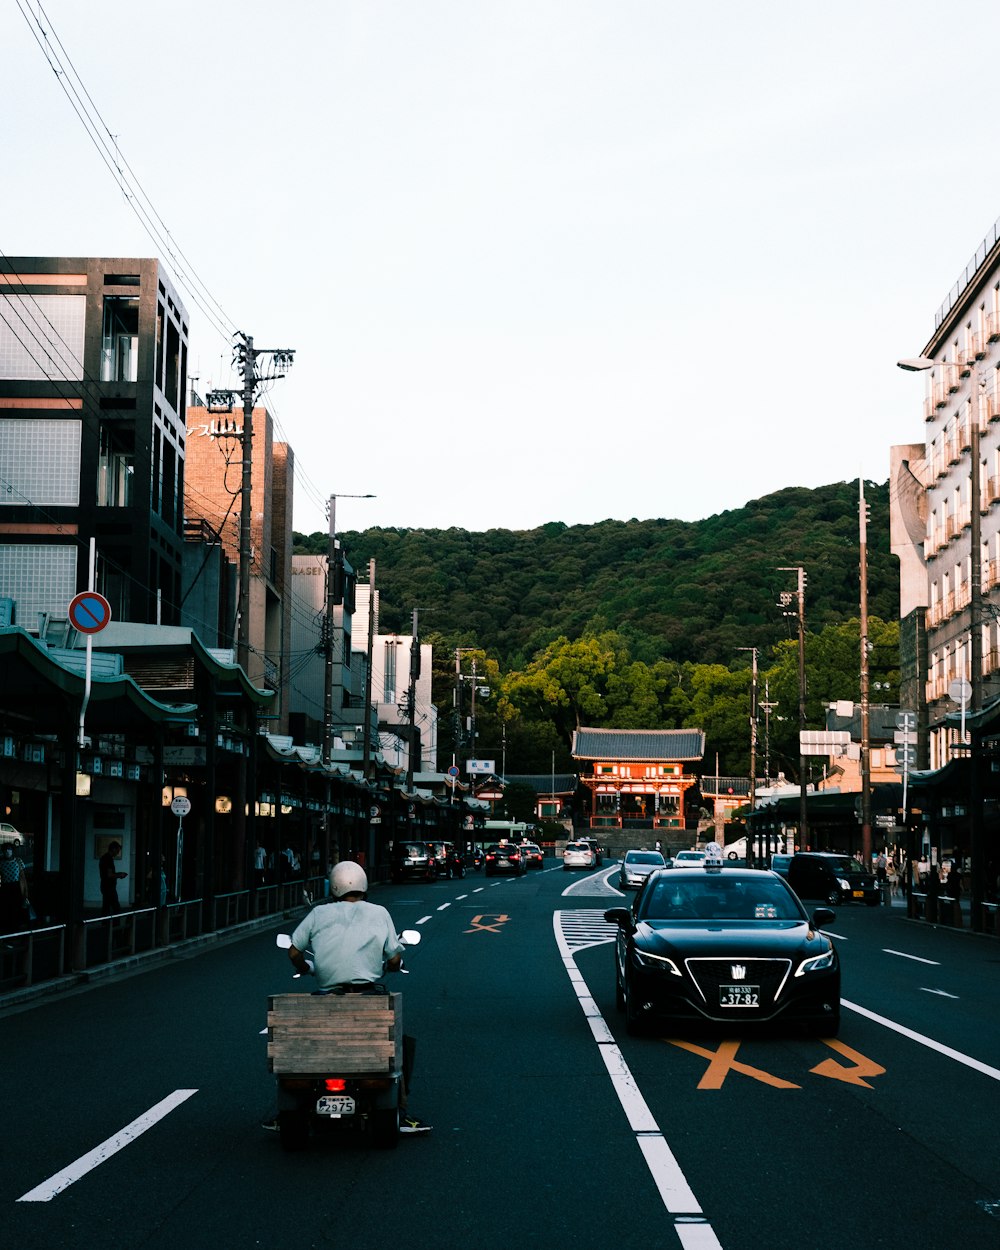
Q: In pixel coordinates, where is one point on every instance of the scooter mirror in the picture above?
(410, 937)
(283, 941)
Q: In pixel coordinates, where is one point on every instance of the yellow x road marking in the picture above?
(723, 1060)
(479, 927)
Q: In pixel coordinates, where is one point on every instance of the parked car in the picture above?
(533, 856)
(731, 945)
(411, 860)
(446, 860)
(579, 855)
(504, 857)
(636, 867)
(833, 878)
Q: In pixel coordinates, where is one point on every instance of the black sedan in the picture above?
(505, 857)
(724, 945)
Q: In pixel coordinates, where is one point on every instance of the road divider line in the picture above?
(94, 1158)
(903, 955)
(984, 1068)
(676, 1194)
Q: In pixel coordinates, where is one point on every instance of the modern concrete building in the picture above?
(93, 364)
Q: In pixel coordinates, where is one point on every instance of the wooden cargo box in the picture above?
(334, 1033)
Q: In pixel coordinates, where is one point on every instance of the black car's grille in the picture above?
(769, 974)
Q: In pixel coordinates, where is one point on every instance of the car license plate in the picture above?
(739, 995)
(857, 894)
(335, 1105)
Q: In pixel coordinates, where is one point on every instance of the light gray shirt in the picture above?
(350, 942)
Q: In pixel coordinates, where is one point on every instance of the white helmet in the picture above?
(348, 878)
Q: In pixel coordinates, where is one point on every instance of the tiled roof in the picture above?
(546, 783)
(638, 744)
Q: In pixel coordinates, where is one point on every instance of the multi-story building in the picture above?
(212, 501)
(946, 513)
(93, 363)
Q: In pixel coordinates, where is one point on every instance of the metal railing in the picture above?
(31, 956)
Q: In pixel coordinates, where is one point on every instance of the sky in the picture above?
(539, 260)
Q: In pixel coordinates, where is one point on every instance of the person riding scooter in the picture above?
(352, 943)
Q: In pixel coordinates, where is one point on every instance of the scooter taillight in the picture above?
(334, 1085)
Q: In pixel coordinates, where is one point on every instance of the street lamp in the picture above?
(918, 365)
(333, 593)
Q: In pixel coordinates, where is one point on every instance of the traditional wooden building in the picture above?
(638, 778)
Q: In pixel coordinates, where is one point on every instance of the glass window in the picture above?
(40, 462)
(116, 467)
(41, 336)
(120, 339)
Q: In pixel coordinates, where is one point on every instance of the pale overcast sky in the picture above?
(540, 260)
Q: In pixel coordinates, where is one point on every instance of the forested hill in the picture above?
(695, 591)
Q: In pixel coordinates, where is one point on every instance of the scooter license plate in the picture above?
(335, 1105)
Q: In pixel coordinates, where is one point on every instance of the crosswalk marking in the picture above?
(585, 927)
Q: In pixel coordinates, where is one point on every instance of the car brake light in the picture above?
(334, 1085)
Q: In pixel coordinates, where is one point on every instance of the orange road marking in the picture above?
(477, 927)
(723, 1061)
(853, 1076)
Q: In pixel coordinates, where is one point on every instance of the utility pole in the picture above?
(866, 752)
(786, 598)
(753, 739)
(367, 752)
(411, 700)
(246, 358)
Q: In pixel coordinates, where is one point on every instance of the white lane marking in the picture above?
(594, 883)
(940, 993)
(479, 889)
(424, 919)
(903, 955)
(459, 897)
(929, 1042)
(675, 1193)
(86, 1163)
(444, 906)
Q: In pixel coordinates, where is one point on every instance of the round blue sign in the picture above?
(89, 612)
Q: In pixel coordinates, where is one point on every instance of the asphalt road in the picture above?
(132, 1108)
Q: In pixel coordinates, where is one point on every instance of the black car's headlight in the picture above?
(818, 963)
(843, 883)
(658, 962)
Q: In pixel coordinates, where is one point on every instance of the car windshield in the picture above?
(720, 898)
(645, 857)
(844, 864)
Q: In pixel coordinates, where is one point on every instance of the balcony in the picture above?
(993, 327)
(952, 451)
(952, 378)
(940, 395)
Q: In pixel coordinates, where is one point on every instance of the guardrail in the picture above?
(31, 956)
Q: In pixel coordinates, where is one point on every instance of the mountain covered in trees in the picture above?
(646, 623)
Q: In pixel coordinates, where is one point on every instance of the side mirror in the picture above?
(622, 917)
(410, 937)
(822, 916)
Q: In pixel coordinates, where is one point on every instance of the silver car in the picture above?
(636, 867)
